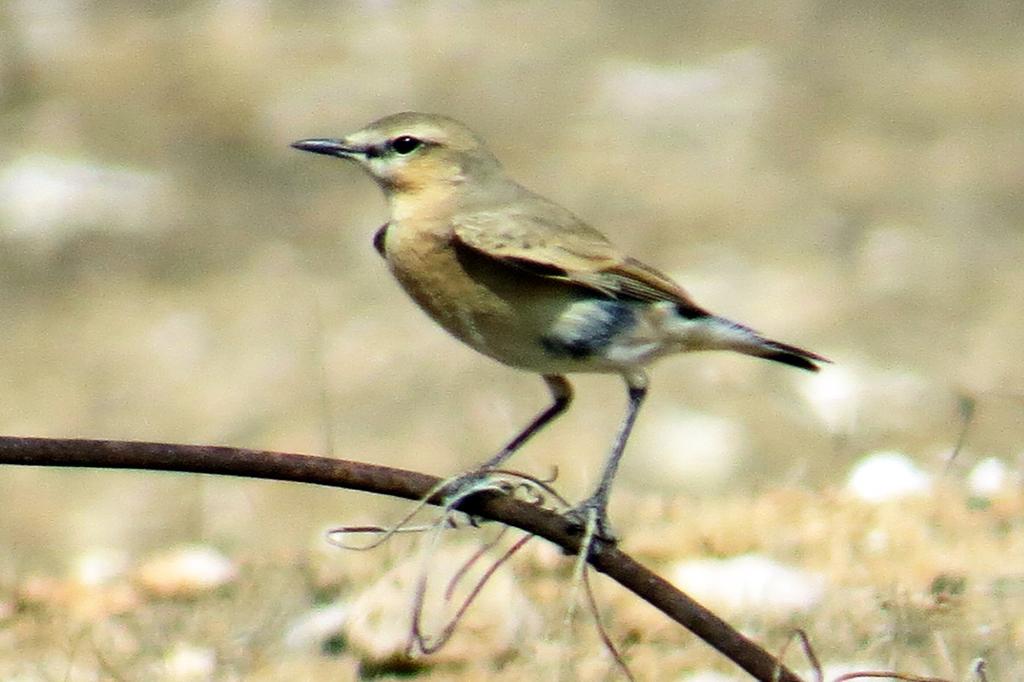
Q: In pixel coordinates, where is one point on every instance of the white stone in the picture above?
(834, 394)
(749, 583)
(887, 475)
(379, 621)
(988, 477)
(313, 628)
(99, 567)
(188, 662)
(186, 572)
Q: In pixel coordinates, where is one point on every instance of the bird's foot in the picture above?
(459, 487)
(590, 517)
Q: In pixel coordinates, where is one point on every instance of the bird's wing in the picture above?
(553, 243)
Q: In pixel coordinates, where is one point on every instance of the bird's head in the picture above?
(410, 151)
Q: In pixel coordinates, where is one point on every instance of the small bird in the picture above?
(523, 280)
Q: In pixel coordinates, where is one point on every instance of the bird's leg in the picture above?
(598, 501)
(561, 393)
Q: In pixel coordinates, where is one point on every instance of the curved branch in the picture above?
(405, 484)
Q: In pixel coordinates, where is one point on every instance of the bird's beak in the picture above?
(330, 147)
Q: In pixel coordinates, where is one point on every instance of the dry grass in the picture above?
(843, 176)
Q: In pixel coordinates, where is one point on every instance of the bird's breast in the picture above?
(491, 306)
(426, 267)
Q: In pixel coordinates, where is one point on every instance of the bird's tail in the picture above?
(711, 332)
(786, 354)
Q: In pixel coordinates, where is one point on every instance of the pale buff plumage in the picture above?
(523, 280)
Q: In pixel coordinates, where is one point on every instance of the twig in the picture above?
(805, 645)
(966, 408)
(886, 675)
(411, 485)
(579, 571)
(602, 631)
(439, 640)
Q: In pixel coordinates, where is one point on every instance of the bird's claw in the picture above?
(579, 518)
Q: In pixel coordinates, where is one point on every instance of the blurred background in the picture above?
(843, 176)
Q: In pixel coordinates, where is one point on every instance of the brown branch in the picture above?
(409, 485)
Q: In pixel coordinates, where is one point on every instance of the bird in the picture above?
(526, 282)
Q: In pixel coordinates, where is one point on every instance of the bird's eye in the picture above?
(406, 144)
